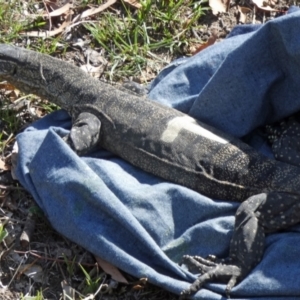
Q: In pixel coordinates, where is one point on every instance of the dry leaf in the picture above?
(243, 13)
(9, 90)
(55, 13)
(96, 10)
(47, 33)
(134, 3)
(3, 166)
(66, 9)
(140, 284)
(138, 287)
(111, 270)
(92, 71)
(6, 86)
(218, 6)
(95, 57)
(212, 39)
(261, 4)
(68, 291)
(60, 11)
(14, 160)
(35, 272)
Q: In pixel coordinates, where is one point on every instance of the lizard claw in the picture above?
(211, 270)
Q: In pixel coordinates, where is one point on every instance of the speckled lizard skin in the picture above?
(172, 145)
(285, 139)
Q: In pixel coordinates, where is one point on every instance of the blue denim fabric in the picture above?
(144, 225)
(243, 82)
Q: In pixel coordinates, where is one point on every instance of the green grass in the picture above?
(92, 281)
(159, 26)
(9, 125)
(9, 28)
(127, 35)
(3, 233)
(38, 296)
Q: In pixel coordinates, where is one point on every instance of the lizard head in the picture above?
(45, 76)
(18, 66)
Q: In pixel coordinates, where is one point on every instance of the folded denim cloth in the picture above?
(142, 224)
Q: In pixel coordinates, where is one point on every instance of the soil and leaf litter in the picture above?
(162, 32)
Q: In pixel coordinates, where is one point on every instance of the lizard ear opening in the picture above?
(85, 133)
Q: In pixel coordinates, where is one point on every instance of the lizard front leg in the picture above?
(256, 216)
(84, 134)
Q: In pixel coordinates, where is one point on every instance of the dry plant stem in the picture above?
(50, 21)
(62, 272)
(100, 287)
(93, 11)
(6, 218)
(13, 277)
(4, 253)
(4, 196)
(8, 203)
(254, 14)
(8, 140)
(51, 259)
(10, 187)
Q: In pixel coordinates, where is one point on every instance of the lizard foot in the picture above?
(211, 269)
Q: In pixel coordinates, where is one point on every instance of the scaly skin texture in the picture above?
(171, 145)
(285, 140)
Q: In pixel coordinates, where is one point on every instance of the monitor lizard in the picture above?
(172, 145)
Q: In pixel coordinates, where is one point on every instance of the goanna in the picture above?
(171, 145)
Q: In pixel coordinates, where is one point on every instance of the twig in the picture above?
(11, 187)
(4, 216)
(49, 18)
(254, 14)
(16, 272)
(52, 259)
